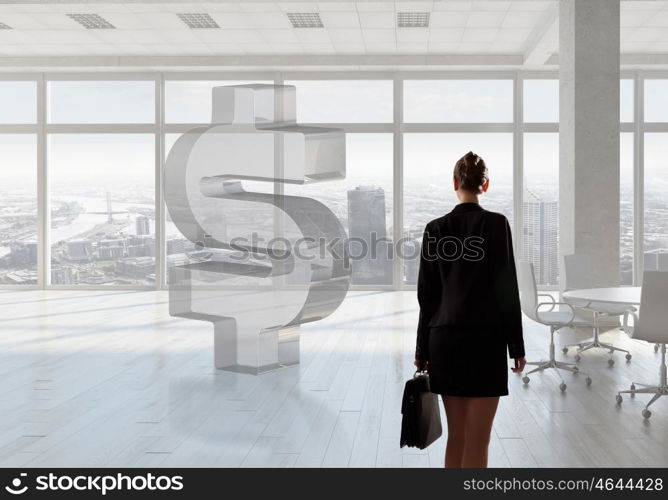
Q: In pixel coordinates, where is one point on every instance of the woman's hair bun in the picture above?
(471, 172)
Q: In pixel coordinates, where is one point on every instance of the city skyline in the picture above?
(22, 228)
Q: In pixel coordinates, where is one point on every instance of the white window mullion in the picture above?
(43, 202)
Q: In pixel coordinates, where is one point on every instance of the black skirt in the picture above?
(467, 362)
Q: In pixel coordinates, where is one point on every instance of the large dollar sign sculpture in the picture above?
(254, 292)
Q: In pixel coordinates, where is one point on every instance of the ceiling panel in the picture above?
(535, 5)
(445, 47)
(312, 35)
(336, 6)
(496, 5)
(492, 19)
(446, 34)
(479, 34)
(251, 7)
(348, 19)
(448, 19)
(522, 19)
(377, 19)
(379, 35)
(380, 47)
(514, 34)
(22, 21)
(462, 5)
(347, 35)
(278, 36)
(412, 35)
(375, 6)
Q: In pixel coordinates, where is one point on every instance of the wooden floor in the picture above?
(108, 378)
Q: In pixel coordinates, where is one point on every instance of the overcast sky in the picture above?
(106, 158)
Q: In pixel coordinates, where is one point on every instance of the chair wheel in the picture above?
(588, 380)
(619, 399)
(577, 357)
(562, 387)
(611, 362)
(628, 357)
(646, 413)
(576, 369)
(633, 387)
(565, 350)
(656, 347)
(525, 379)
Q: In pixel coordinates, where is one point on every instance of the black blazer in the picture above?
(467, 277)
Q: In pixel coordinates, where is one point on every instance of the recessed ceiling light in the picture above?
(305, 19)
(413, 19)
(3, 26)
(92, 21)
(198, 21)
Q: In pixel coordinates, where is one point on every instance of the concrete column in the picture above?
(589, 134)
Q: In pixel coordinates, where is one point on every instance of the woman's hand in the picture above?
(421, 365)
(520, 363)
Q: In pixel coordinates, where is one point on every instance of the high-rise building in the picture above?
(540, 239)
(79, 250)
(63, 275)
(110, 249)
(24, 253)
(411, 248)
(370, 249)
(656, 260)
(142, 225)
(139, 250)
(110, 217)
(110, 252)
(176, 246)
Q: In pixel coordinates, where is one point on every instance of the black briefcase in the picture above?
(421, 418)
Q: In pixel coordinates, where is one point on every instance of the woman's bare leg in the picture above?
(479, 419)
(456, 410)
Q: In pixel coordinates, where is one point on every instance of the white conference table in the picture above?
(596, 299)
(615, 295)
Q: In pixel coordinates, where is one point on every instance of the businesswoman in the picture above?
(469, 314)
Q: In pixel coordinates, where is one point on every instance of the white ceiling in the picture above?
(525, 29)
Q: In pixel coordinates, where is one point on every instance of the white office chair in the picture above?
(555, 319)
(652, 326)
(577, 271)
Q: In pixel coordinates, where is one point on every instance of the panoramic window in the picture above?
(18, 102)
(626, 101)
(656, 100)
(119, 166)
(101, 102)
(429, 160)
(363, 203)
(656, 207)
(458, 101)
(178, 248)
(540, 206)
(18, 209)
(102, 209)
(541, 101)
(344, 101)
(188, 101)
